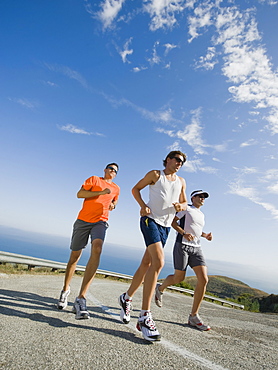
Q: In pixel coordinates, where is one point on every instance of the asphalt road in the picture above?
(34, 334)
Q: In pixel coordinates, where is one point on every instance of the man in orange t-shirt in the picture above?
(100, 196)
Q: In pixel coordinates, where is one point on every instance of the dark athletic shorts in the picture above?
(153, 232)
(185, 255)
(82, 230)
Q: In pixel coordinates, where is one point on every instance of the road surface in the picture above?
(34, 334)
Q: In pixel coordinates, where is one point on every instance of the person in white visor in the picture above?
(187, 252)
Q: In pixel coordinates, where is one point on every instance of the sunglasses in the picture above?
(112, 169)
(178, 159)
(201, 196)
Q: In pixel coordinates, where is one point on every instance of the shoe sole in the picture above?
(61, 307)
(197, 327)
(84, 317)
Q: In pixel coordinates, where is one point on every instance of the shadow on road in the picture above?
(16, 303)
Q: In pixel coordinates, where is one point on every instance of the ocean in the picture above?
(114, 257)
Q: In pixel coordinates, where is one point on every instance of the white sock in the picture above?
(143, 312)
(127, 297)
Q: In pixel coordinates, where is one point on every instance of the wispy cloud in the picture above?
(163, 115)
(154, 59)
(239, 188)
(76, 130)
(50, 83)
(246, 64)
(192, 134)
(125, 51)
(26, 103)
(247, 184)
(68, 72)
(249, 142)
(169, 47)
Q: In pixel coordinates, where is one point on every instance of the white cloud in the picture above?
(169, 47)
(249, 142)
(209, 60)
(162, 13)
(109, 11)
(246, 64)
(273, 188)
(192, 135)
(76, 130)
(49, 83)
(252, 191)
(26, 103)
(126, 51)
(197, 165)
(155, 59)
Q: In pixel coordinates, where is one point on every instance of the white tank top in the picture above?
(162, 195)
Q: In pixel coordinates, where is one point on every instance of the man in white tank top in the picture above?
(166, 197)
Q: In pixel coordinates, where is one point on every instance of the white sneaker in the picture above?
(63, 300)
(80, 309)
(197, 322)
(158, 295)
(146, 325)
(126, 307)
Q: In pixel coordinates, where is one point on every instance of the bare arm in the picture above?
(180, 230)
(82, 193)
(149, 179)
(181, 206)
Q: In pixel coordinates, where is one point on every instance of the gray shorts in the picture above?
(185, 255)
(82, 230)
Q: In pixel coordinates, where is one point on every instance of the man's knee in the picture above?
(178, 277)
(74, 257)
(158, 263)
(97, 247)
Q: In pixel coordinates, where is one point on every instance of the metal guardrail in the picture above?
(31, 262)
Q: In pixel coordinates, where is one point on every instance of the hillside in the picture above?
(226, 287)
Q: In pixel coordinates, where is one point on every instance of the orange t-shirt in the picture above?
(97, 208)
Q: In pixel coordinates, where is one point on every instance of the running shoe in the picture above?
(158, 295)
(197, 322)
(126, 307)
(63, 300)
(146, 325)
(80, 309)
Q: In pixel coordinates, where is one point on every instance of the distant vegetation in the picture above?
(254, 300)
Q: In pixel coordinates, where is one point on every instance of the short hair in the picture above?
(112, 164)
(172, 154)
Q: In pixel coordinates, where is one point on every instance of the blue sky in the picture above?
(86, 83)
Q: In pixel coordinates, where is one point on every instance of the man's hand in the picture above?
(145, 211)
(188, 237)
(106, 191)
(209, 236)
(112, 206)
(177, 206)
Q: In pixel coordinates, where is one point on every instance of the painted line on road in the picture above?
(169, 345)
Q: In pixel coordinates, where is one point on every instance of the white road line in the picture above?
(169, 345)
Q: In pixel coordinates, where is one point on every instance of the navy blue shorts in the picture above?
(153, 232)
